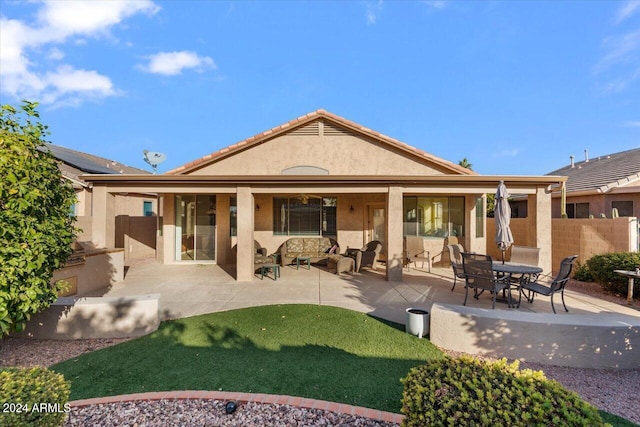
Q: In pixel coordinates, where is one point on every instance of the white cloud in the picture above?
(55, 54)
(626, 10)
(620, 49)
(619, 67)
(507, 153)
(632, 124)
(174, 63)
(372, 11)
(61, 19)
(436, 4)
(22, 76)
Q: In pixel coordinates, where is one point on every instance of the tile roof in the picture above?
(602, 173)
(273, 132)
(75, 163)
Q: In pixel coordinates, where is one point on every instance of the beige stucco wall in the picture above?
(339, 155)
(601, 203)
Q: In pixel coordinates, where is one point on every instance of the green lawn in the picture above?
(303, 350)
(312, 351)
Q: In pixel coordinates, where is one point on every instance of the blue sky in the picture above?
(515, 87)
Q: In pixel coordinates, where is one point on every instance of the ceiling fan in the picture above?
(304, 198)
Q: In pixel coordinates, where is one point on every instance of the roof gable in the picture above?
(327, 124)
(603, 173)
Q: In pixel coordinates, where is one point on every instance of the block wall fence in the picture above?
(584, 237)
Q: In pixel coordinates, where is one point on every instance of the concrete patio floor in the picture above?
(188, 290)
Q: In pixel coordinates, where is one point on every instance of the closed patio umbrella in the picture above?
(502, 215)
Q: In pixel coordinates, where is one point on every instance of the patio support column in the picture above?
(540, 225)
(223, 225)
(394, 234)
(244, 257)
(103, 218)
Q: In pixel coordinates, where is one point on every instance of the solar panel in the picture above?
(74, 159)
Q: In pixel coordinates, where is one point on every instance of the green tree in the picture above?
(491, 205)
(465, 164)
(36, 228)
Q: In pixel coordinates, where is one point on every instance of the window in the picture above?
(314, 216)
(625, 208)
(233, 216)
(479, 217)
(147, 208)
(433, 216)
(577, 210)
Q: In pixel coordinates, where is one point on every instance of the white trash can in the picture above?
(417, 322)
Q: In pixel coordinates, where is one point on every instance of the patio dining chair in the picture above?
(556, 285)
(479, 276)
(455, 257)
(525, 255)
(414, 252)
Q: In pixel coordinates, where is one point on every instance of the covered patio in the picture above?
(595, 333)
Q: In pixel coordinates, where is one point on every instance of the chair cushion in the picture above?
(294, 246)
(310, 246)
(324, 245)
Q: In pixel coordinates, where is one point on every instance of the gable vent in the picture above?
(312, 129)
(331, 129)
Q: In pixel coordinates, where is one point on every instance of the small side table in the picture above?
(305, 259)
(265, 268)
(631, 275)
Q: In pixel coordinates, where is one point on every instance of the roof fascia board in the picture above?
(259, 180)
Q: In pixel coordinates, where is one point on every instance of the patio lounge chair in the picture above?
(455, 257)
(556, 285)
(479, 276)
(367, 256)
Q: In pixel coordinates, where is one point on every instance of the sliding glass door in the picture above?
(195, 227)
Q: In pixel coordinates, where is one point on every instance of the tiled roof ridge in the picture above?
(594, 160)
(306, 118)
(602, 173)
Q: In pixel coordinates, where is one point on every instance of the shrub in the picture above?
(33, 397)
(467, 391)
(602, 270)
(36, 230)
(582, 273)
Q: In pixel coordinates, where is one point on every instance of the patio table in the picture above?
(265, 268)
(631, 275)
(509, 269)
(305, 259)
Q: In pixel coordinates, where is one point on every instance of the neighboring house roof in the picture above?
(303, 120)
(74, 163)
(602, 174)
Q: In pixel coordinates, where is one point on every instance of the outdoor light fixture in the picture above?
(257, 208)
(230, 407)
(351, 209)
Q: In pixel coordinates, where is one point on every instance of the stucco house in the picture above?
(599, 185)
(318, 175)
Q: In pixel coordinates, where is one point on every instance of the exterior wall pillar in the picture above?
(169, 229)
(103, 219)
(244, 256)
(540, 225)
(475, 239)
(223, 230)
(395, 233)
